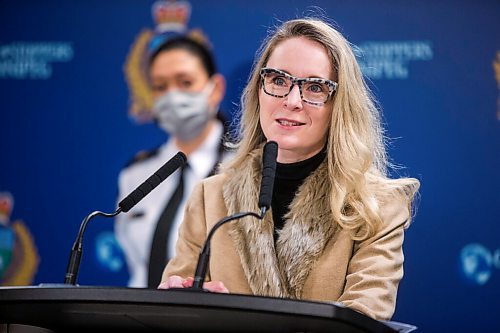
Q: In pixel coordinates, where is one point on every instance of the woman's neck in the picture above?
(300, 170)
(286, 156)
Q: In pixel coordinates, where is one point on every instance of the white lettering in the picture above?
(25, 60)
(391, 59)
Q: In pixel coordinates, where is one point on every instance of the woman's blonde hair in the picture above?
(356, 154)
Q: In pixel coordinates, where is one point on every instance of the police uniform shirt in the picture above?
(134, 230)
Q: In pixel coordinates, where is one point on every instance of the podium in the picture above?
(103, 309)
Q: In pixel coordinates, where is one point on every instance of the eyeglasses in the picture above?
(315, 91)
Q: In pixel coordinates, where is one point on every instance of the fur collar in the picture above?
(281, 270)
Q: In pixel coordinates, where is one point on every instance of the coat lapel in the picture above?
(279, 272)
(308, 227)
(253, 238)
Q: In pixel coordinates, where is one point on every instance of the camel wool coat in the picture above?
(313, 257)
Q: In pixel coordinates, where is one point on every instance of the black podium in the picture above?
(100, 309)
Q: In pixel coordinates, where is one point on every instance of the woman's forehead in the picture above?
(301, 57)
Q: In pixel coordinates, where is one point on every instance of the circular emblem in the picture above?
(476, 262)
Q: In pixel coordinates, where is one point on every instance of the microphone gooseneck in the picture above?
(76, 250)
(266, 193)
(124, 206)
(204, 257)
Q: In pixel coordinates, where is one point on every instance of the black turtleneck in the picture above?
(289, 177)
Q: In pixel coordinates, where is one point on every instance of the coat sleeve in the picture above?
(376, 266)
(192, 235)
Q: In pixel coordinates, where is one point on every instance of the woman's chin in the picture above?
(285, 142)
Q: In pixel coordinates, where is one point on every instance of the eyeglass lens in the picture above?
(280, 85)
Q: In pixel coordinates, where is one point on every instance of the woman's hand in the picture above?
(215, 287)
(176, 281)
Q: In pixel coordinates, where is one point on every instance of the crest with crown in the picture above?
(171, 19)
(171, 15)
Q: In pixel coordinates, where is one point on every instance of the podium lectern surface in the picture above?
(73, 309)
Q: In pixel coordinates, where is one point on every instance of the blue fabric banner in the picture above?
(66, 132)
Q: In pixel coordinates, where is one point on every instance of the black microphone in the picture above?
(154, 180)
(268, 173)
(266, 194)
(124, 206)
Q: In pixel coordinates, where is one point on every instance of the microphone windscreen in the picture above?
(152, 182)
(268, 173)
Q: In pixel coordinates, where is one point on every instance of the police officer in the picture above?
(187, 91)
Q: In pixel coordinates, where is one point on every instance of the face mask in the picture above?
(183, 114)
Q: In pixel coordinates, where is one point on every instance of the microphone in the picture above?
(124, 206)
(154, 180)
(266, 193)
(268, 173)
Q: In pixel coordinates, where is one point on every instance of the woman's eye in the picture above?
(185, 84)
(316, 88)
(279, 81)
(158, 87)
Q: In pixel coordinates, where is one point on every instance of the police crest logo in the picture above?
(18, 254)
(171, 19)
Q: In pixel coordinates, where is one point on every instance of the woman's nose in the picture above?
(293, 100)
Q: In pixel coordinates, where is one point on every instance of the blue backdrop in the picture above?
(65, 133)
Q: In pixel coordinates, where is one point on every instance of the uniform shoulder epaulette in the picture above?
(142, 156)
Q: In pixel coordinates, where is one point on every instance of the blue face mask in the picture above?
(184, 114)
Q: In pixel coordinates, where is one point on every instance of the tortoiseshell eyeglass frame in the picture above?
(332, 85)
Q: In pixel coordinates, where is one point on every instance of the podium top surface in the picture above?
(61, 308)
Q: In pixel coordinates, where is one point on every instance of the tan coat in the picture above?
(314, 259)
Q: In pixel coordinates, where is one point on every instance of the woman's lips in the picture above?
(288, 122)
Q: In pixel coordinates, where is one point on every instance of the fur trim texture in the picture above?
(279, 270)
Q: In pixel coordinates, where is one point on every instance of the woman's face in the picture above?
(299, 128)
(177, 69)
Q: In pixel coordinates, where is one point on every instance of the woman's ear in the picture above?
(218, 91)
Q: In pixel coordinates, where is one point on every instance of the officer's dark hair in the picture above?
(190, 45)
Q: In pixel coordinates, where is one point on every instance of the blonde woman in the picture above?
(336, 227)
